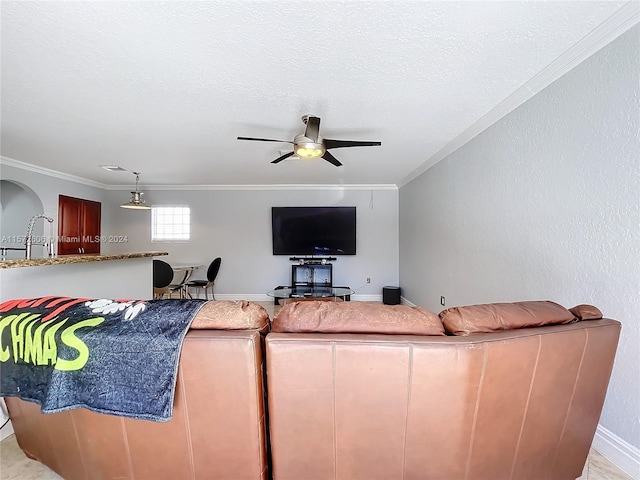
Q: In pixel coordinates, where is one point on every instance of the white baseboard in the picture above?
(366, 297)
(622, 454)
(404, 301)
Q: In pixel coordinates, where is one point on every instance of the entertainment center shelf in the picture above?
(312, 259)
(282, 293)
(311, 277)
(313, 237)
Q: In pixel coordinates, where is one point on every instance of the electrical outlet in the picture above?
(368, 279)
(442, 301)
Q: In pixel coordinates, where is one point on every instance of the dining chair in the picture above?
(162, 277)
(212, 273)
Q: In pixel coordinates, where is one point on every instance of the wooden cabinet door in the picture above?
(91, 226)
(69, 225)
(78, 226)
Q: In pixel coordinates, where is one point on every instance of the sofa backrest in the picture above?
(496, 317)
(356, 317)
(231, 315)
(361, 406)
(218, 428)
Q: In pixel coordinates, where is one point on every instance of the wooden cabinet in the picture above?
(91, 226)
(78, 225)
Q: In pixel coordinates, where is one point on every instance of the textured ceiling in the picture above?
(166, 87)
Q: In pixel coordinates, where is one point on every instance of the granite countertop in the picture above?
(65, 259)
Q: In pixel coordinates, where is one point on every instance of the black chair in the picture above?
(212, 273)
(162, 277)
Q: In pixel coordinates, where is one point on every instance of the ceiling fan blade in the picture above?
(348, 143)
(313, 128)
(279, 159)
(331, 159)
(263, 139)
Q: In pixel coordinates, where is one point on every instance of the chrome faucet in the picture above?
(29, 241)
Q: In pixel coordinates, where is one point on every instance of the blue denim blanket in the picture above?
(111, 356)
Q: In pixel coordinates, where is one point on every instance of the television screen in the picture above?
(314, 230)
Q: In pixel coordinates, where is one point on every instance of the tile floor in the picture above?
(14, 465)
(599, 468)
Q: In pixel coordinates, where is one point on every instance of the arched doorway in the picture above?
(18, 203)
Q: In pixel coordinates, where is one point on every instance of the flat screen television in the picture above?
(313, 230)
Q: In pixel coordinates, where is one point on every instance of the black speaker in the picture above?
(391, 295)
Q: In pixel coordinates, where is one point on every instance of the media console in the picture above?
(311, 278)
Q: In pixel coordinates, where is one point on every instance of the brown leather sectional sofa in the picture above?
(359, 391)
(218, 429)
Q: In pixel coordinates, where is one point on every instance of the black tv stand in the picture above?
(311, 277)
(309, 292)
(312, 274)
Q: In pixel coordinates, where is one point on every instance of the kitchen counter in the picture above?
(67, 259)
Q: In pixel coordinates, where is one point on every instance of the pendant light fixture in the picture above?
(136, 201)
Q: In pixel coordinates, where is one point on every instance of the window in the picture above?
(170, 224)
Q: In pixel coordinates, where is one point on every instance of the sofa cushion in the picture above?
(494, 317)
(586, 312)
(356, 317)
(231, 315)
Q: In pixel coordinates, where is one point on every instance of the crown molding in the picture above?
(49, 172)
(621, 21)
(72, 178)
(147, 188)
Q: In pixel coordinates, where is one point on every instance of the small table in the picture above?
(310, 292)
(188, 269)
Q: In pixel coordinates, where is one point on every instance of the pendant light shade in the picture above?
(136, 201)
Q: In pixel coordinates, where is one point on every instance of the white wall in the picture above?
(114, 279)
(543, 205)
(236, 226)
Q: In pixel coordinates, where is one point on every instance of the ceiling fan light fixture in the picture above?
(136, 202)
(311, 145)
(309, 150)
